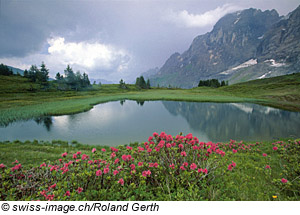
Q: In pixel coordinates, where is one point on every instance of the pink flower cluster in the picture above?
(230, 166)
(146, 173)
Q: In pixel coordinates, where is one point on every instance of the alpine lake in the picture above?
(123, 122)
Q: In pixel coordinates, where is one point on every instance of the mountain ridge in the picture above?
(234, 40)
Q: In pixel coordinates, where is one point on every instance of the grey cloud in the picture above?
(135, 26)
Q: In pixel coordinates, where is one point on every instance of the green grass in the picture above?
(17, 102)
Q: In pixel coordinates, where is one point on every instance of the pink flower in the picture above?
(168, 145)
(193, 166)
(112, 155)
(114, 149)
(129, 147)
(132, 166)
(121, 181)
(84, 157)
(50, 197)
(64, 154)
(103, 150)
(99, 172)
(140, 163)
(172, 166)
(182, 168)
(67, 193)
(155, 134)
(53, 186)
(234, 151)
(3, 166)
(106, 170)
(65, 170)
(140, 149)
(79, 190)
(180, 146)
(115, 172)
(283, 180)
(233, 164)
(146, 173)
(53, 168)
(126, 157)
(74, 156)
(183, 154)
(42, 165)
(78, 153)
(205, 171)
(264, 154)
(230, 166)
(162, 135)
(117, 161)
(16, 167)
(149, 150)
(268, 167)
(93, 150)
(275, 148)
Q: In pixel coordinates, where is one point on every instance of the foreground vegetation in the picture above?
(163, 168)
(21, 99)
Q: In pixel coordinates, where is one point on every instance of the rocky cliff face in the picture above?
(282, 41)
(237, 41)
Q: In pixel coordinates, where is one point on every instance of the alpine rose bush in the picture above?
(158, 169)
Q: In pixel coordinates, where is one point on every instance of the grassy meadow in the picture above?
(164, 167)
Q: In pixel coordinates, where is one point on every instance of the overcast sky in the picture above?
(110, 39)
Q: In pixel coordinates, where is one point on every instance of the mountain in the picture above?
(103, 81)
(277, 54)
(281, 42)
(239, 44)
(16, 70)
(150, 72)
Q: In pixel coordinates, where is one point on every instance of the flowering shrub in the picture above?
(163, 168)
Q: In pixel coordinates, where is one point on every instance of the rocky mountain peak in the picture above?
(235, 39)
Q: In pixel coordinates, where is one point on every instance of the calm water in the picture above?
(116, 123)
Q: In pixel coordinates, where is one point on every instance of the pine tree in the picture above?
(148, 84)
(44, 76)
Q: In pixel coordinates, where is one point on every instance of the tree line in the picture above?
(71, 80)
(212, 83)
(34, 74)
(5, 70)
(141, 83)
(40, 75)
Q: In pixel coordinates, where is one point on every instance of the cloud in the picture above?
(185, 19)
(87, 55)
(96, 59)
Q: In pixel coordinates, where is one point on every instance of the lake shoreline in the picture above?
(16, 104)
